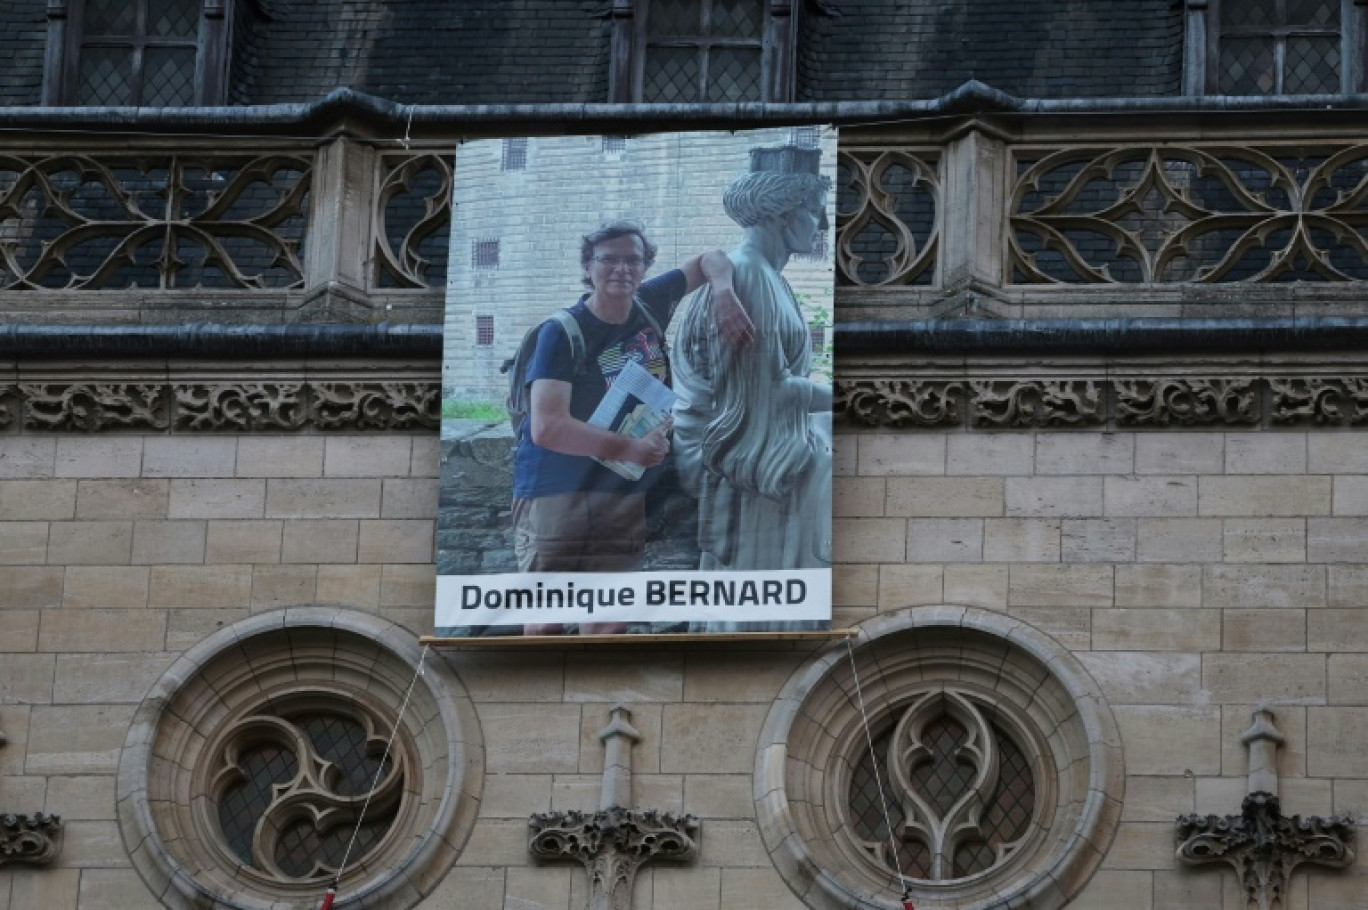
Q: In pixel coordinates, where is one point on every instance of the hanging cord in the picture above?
(375, 783)
(874, 760)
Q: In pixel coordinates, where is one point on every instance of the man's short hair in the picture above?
(612, 231)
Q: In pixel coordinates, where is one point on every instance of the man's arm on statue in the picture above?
(715, 268)
(554, 428)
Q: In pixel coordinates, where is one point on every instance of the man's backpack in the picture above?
(519, 402)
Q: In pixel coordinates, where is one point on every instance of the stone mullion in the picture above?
(338, 248)
(973, 212)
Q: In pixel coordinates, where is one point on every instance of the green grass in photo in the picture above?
(459, 409)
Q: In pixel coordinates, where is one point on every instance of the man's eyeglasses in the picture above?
(612, 262)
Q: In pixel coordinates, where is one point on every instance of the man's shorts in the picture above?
(580, 532)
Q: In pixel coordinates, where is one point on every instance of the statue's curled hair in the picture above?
(760, 195)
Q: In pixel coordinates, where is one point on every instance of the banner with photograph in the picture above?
(636, 385)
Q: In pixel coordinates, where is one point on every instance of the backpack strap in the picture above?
(646, 314)
(570, 325)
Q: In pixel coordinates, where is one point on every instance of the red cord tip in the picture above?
(328, 899)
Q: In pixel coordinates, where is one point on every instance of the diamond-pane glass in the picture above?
(867, 812)
(737, 19)
(1010, 809)
(1316, 13)
(242, 804)
(973, 857)
(734, 74)
(168, 76)
(105, 76)
(173, 18)
(1313, 65)
(1248, 14)
(671, 75)
(942, 781)
(301, 850)
(343, 742)
(675, 17)
(1247, 66)
(945, 778)
(109, 17)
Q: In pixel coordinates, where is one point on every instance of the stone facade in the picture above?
(1191, 572)
(1090, 559)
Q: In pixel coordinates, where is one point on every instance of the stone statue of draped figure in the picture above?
(752, 430)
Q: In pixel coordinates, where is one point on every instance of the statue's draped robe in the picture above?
(753, 432)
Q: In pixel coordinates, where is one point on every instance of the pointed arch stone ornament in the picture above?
(1002, 680)
(617, 840)
(1261, 844)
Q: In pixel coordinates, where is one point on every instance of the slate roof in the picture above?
(23, 37)
(428, 51)
(546, 51)
(871, 50)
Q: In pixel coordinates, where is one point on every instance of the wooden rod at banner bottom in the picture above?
(439, 641)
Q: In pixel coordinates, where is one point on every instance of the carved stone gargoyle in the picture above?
(33, 840)
(615, 841)
(1261, 844)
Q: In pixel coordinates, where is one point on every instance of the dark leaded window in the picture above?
(806, 136)
(484, 330)
(144, 53)
(1280, 47)
(293, 825)
(942, 764)
(484, 254)
(709, 51)
(614, 145)
(703, 51)
(138, 53)
(514, 155)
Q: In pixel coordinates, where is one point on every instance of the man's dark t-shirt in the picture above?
(538, 471)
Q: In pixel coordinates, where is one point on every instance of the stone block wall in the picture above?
(1193, 573)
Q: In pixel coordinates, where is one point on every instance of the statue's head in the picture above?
(628, 241)
(782, 181)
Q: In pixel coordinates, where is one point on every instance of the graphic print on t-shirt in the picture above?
(644, 347)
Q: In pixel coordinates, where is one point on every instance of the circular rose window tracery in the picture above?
(292, 781)
(248, 767)
(998, 760)
(956, 789)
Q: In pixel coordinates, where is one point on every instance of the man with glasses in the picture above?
(570, 512)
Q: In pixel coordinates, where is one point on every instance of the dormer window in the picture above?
(1273, 47)
(703, 51)
(136, 53)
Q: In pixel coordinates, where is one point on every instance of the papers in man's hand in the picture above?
(654, 403)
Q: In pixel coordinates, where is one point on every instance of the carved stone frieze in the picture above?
(376, 405)
(94, 406)
(612, 844)
(1186, 402)
(1037, 403)
(240, 406)
(899, 402)
(222, 405)
(1340, 401)
(9, 405)
(33, 840)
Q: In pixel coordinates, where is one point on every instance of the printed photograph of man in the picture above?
(655, 457)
